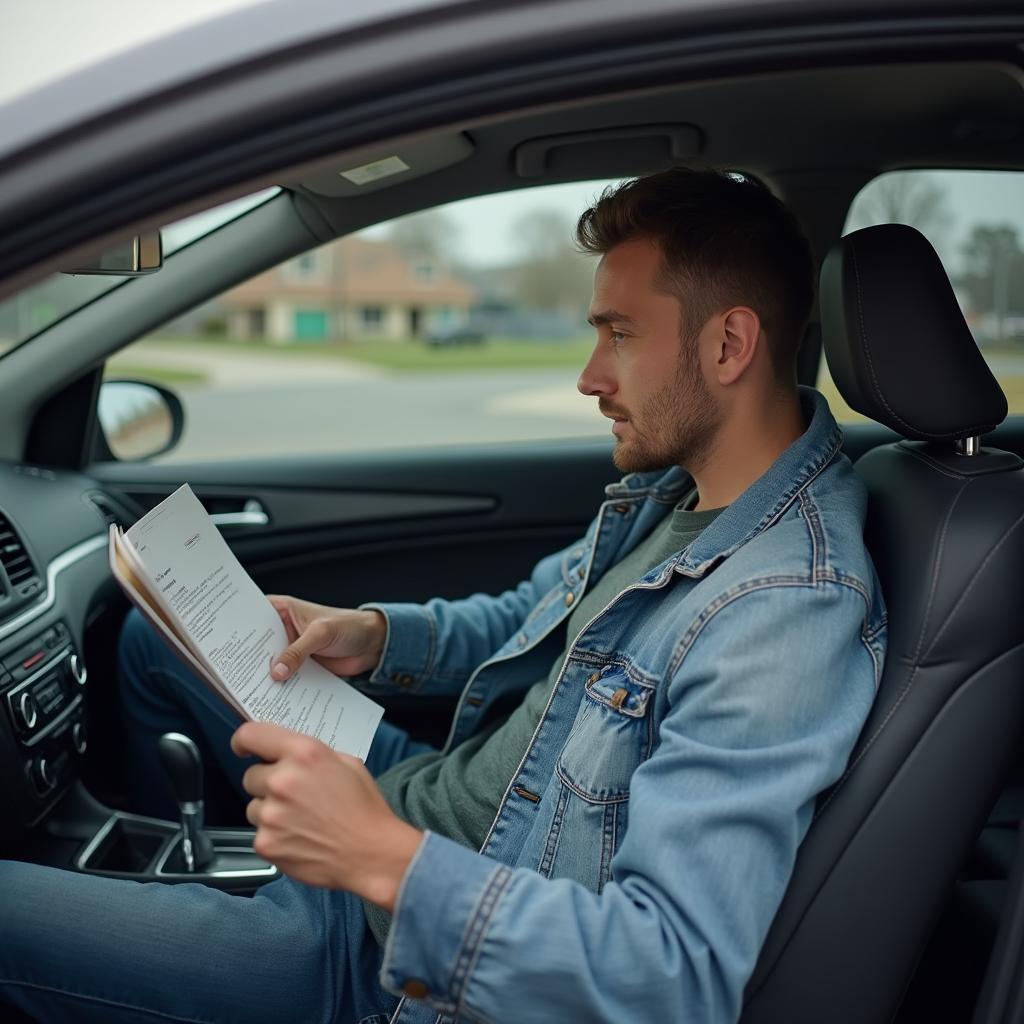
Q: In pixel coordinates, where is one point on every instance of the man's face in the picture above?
(645, 376)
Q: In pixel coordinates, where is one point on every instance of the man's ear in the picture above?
(739, 337)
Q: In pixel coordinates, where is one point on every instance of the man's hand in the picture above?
(344, 640)
(320, 817)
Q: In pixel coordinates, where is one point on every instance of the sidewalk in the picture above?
(225, 369)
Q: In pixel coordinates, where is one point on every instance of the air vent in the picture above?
(13, 556)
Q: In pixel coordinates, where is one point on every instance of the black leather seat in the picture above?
(946, 533)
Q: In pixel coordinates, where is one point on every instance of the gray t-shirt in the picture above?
(457, 794)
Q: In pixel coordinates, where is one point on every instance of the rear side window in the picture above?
(975, 221)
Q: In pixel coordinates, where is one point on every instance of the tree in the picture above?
(431, 235)
(904, 197)
(993, 277)
(552, 275)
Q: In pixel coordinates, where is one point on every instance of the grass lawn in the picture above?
(166, 375)
(413, 356)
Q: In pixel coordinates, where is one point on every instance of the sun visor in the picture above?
(368, 170)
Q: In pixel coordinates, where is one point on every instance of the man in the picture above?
(684, 681)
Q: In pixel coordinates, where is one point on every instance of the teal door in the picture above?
(310, 324)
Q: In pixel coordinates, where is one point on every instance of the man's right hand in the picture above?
(344, 640)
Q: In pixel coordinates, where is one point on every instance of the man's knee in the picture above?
(147, 669)
(28, 901)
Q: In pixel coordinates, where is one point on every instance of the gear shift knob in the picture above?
(184, 767)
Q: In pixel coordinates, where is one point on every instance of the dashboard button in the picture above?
(33, 660)
(80, 737)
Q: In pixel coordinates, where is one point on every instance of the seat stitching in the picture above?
(155, 1014)
(974, 579)
(916, 659)
(865, 348)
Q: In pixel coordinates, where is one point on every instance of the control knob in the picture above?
(76, 666)
(79, 737)
(28, 710)
(42, 774)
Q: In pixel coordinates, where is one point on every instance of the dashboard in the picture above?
(54, 581)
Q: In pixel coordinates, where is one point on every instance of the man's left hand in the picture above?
(320, 817)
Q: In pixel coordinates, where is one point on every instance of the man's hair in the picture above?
(725, 241)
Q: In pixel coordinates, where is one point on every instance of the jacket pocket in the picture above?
(589, 797)
(610, 738)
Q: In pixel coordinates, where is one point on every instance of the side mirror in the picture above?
(141, 254)
(139, 420)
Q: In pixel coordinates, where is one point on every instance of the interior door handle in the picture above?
(253, 514)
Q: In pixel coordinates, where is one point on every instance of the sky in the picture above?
(42, 40)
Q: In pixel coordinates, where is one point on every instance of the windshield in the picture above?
(42, 304)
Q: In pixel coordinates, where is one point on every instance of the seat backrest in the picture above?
(946, 532)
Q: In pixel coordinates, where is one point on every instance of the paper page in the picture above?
(235, 630)
(133, 583)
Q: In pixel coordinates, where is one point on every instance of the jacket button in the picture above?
(569, 598)
(404, 680)
(594, 678)
(621, 509)
(416, 989)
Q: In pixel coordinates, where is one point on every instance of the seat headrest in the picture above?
(898, 347)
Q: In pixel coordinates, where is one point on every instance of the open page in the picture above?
(126, 570)
(231, 632)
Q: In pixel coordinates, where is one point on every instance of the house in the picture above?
(353, 289)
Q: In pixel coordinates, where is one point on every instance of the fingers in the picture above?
(253, 812)
(284, 606)
(265, 740)
(315, 637)
(254, 781)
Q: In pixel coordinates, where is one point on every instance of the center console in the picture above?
(148, 849)
(42, 710)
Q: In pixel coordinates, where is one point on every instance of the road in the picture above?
(255, 404)
(383, 411)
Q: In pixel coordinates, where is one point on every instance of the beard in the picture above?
(675, 425)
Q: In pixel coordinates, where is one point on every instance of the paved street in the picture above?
(256, 404)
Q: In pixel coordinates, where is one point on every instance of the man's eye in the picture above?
(617, 337)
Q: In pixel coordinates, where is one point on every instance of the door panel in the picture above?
(394, 527)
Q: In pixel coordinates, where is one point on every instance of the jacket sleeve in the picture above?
(433, 648)
(770, 693)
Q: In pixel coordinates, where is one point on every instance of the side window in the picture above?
(462, 324)
(975, 221)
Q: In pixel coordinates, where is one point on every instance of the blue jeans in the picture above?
(80, 948)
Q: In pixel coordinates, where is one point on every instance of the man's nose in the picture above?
(595, 379)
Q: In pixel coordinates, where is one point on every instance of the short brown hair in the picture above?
(725, 240)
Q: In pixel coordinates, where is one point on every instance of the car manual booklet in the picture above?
(178, 570)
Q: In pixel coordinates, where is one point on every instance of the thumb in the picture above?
(312, 639)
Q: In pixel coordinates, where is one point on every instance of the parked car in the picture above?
(339, 118)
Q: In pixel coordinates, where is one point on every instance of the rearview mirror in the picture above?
(139, 420)
(141, 254)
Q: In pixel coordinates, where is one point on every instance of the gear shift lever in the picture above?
(184, 767)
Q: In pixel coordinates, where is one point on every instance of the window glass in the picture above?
(462, 324)
(975, 221)
(41, 305)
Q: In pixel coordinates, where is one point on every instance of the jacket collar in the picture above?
(761, 503)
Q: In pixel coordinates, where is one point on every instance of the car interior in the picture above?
(905, 898)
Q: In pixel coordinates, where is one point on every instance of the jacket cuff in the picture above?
(445, 904)
(410, 647)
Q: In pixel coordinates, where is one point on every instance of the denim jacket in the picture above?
(646, 840)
